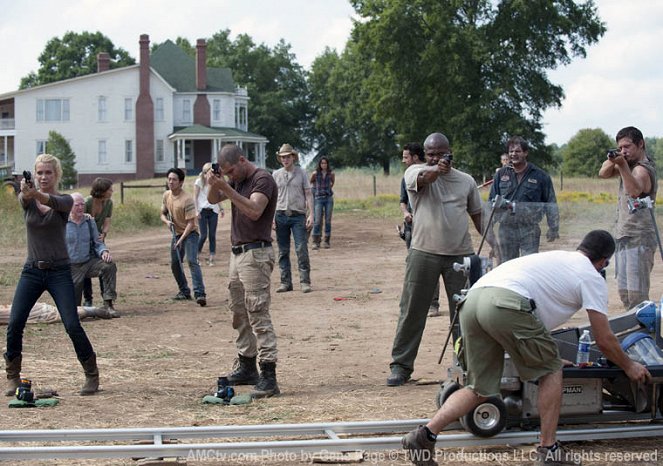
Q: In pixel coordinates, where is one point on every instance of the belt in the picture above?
(47, 265)
(242, 248)
(289, 213)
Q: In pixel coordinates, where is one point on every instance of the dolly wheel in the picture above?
(445, 392)
(487, 419)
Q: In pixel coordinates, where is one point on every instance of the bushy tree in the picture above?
(473, 69)
(75, 54)
(279, 106)
(585, 152)
(58, 146)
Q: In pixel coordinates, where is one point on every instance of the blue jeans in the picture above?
(326, 204)
(188, 250)
(207, 223)
(297, 225)
(59, 284)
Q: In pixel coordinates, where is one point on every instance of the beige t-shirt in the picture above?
(181, 208)
(440, 211)
(293, 187)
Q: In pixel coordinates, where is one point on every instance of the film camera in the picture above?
(612, 153)
(639, 203)
(223, 390)
(24, 391)
(216, 169)
(27, 176)
(501, 203)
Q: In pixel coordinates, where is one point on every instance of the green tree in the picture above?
(58, 146)
(585, 152)
(343, 125)
(74, 55)
(279, 107)
(473, 69)
(654, 148)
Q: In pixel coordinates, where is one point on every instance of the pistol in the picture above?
(27, 176)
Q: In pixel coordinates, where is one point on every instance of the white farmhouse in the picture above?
(135, 122)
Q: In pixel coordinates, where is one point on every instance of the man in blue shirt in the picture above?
(527, 194)
(89, 257)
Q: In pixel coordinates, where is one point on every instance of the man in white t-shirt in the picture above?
(512, 309)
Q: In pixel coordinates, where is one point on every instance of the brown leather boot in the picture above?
(13, 369)
(91, 370)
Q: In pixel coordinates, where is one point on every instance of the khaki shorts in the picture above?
(494, 321)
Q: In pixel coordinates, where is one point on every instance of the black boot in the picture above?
(267, 385)
(108, 305)
(13, 369)
(244, 371)
(91, 385)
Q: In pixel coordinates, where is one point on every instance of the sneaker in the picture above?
(306, 288)
(396, 379)
(283, 288)
(557, 455)
(88, 303)
(420, 449)
(182, 297)
(210, 261)
(201, 301)
(434, 311)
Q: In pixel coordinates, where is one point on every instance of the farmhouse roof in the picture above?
(179, 70)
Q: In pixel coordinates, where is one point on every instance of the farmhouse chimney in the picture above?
(144, 115)
(201, 107)
(201, 65)
(103, 62)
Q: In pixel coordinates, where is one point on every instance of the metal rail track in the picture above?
(275, 439)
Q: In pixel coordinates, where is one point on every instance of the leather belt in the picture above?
(289, 213)
(48, 265)
(242, 248)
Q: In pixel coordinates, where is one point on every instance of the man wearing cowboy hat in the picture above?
(294, 214)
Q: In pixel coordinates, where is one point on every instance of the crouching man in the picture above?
(512, 309)
(89, 256)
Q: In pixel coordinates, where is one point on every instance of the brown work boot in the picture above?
(326, 244)
(419, 448)
(316, 242)
(91, 385)
(13, 369)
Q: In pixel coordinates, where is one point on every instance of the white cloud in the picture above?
(620, 82)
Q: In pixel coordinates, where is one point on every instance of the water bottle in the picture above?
(582, 358)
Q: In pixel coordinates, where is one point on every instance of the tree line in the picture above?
(474, 69)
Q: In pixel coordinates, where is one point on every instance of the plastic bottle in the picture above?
(582, 358)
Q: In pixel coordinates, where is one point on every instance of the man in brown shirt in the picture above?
(253, 194)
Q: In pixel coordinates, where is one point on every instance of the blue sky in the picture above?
(620, 83)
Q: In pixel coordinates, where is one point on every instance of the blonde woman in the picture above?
(47, 268)
(208, 214)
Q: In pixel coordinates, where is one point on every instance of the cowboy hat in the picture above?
(287, 149)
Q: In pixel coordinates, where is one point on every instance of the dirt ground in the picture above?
(161, 357)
